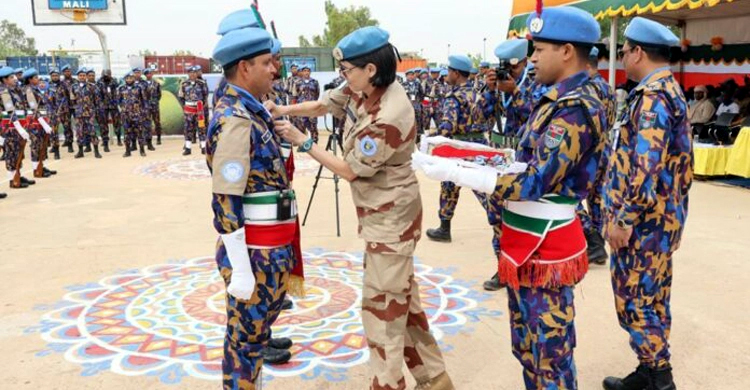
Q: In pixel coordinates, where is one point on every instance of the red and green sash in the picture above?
(543, 244)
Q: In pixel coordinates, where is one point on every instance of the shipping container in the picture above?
(42, 63)
(176, 64)
(321, 58)
(410, 63)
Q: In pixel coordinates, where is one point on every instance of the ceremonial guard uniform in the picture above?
(543, 254)
(132, 101)
(65, 106)
(153, 91)
(108, 87)
(646, 198)
(254, 212)
(414, 91)
(307, 89)
(54, 121)
(84, 97)
(38, 125)
(13, 135)
(191, 96)
(101, 109)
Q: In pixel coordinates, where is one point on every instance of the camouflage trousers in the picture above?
(133, 126)
(103, 124)
(426, 116)
(147, 133)
(85, 131)
(113, 116)
(38, 139)
(156, 117)
(249, 325)
(543, 336)
(65, 120)
(435, 116)
(309, 124)
(13, 149)
(395, 325)
(642, 284)
(449, 194)
(54, 138)
(191, 127)
(418, 116)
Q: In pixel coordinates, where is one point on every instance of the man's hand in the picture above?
(287, 131)
(490, 78)
(507, 86)
(619, 237)
(275, 110)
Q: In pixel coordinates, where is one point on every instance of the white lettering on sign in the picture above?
(76, 4)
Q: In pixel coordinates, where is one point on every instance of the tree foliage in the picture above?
(341, 22)
(183, 53)
(14, 42)
(475, 59)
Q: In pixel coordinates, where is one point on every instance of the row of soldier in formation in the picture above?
(83, 106)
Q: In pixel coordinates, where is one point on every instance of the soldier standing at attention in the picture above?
(54, 120)
(253, 203)
(379, 138)
(12, 133)
(415, 93)
(65, 106)
(191, 98)
(543, 254)
(646, 198)
(83, 95)
(132, 101)
(204, 84)
(153, 89)
(145, 116)
(108, 86)
(307, 90)
(101, 110)
(38, 127)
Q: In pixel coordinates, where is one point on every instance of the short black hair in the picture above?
(653, 53)
(384, 60)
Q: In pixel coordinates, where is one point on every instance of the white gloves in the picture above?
(242, 283)
(47, 128)
(21, 130)
(479, 178)
(2, 141)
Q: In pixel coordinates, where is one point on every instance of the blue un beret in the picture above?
(276, 47)
(53, 71)
(443, 72)
(594, 53)
(474, 71)
(64, 68)
(243, 43)
(81, 70)
(460, 62)
(236, 20)
(6, 71)
(423, 71)
(148, 71)
(360, 42)
(129, 74)
(565, 25)
(435, 70)
(513, 49)
(409, 71)
(136, 69)
(18, 70)
(484, 64)
(90, 71)
(650, 33)
(29, 73)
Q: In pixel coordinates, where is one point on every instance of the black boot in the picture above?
(442, 234)
(80, 152)
(280, 343)
(119, 140)
(56, 152)
(287, 304)
(3, 195)
(96, 152)
(27, 181)
(494, 283)
(661, 379)
(637, 380)
(106, 147)
(88, 148)
(275, 356)
(143, 152)
(596, 252)
(186, 152)
(151, 146)
(70, 147)
(158, 139)
(203, 150)
(2, 158)
(51, 172)
(127, 152)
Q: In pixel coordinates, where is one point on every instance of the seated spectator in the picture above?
(701, 110)
(728, 105)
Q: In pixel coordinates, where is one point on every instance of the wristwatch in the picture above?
(623, 224)
(306, 146)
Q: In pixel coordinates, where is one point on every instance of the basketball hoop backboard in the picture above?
(78, 12)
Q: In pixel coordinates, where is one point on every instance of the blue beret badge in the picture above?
(554, 136)
(232, 171)
(536, 25)
(368, 146)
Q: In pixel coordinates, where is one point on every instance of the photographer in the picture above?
(378, 142)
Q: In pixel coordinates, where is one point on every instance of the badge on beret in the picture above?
(648, 119)
(338, 54)
(232, 171)
(554, 136)
(368, 146)
(536, 25)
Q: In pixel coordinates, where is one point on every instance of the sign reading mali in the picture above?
(79, 4)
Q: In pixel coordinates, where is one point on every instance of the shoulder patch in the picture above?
(554, 136)
(647, 119)
(368, 146)
(232, 171)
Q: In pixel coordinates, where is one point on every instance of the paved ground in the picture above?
(99, 218)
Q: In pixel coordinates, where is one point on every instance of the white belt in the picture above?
(539, 210)
(21, 112)
(265, 213)
(191, 104)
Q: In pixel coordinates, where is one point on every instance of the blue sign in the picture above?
(301, 62)
(78, 4)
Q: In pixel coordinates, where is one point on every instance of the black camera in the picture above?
(331, 85)
(503, 70)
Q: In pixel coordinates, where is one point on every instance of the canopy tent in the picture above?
(700, 21)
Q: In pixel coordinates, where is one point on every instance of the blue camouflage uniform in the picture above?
(648, 179)
(54, 120)
(415, 92)
(109, 89)
(132, 102)
(240, 121)
(13, 109)
(307, 90)
(84, 98)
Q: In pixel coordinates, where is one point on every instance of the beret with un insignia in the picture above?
(360, 42)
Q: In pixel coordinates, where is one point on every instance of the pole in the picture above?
(484, 49)
(103, 41)
(613, 52)
(449, 50)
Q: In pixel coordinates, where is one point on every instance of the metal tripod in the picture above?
(333, 145)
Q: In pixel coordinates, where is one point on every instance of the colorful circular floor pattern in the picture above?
(196, 169)
(168, 320)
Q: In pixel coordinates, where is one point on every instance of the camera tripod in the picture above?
(334, 145)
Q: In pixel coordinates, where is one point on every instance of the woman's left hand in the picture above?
(287, 131)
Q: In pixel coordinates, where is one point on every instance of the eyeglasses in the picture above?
(344, 71)
(621, 52)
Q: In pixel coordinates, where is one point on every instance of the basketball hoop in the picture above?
(80, 15)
